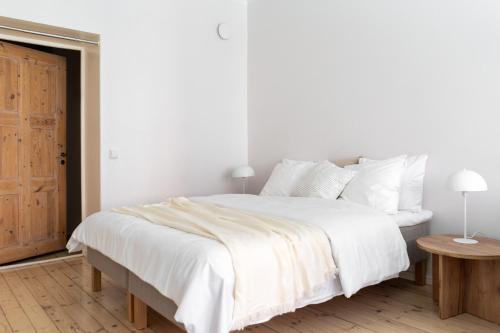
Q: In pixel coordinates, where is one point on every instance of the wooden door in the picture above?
(32, 152)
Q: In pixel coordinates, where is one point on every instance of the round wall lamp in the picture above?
(224, 31)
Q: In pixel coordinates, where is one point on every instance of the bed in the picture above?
(141, 290)
(186, 272)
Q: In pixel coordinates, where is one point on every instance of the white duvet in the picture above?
(197, 273)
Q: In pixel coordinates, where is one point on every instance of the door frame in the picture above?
(46, 35)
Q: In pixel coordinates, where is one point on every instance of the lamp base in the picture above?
(465, 240)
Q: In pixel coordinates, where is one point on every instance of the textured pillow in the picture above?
(376, 184)
(325, 180)
(412, 182)
(285, 177)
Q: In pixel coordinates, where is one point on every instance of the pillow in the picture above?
(412, 183)
(376, 184)
(325, 180)
(285, 177)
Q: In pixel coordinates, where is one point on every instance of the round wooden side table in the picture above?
(465, 277)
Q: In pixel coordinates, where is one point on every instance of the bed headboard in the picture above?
(347, 161)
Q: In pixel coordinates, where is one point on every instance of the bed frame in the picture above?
(141, 294)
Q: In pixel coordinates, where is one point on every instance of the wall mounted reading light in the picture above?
(224, 31)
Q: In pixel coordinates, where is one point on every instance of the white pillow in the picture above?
(412, 183)
(325, 180)
(285, 177)
(376, 184)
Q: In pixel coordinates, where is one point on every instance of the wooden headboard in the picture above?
(347, 161)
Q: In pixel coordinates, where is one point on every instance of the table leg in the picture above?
(482, 289)
(435, 278)
(451, 276)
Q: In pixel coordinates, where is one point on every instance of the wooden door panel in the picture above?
(9, 152)
(43, 157)
(42, 83)
(9, 220)
(9, 119)
(43, 215)
(9, 185)
(9, 72)
(32, 138)
(42, 122)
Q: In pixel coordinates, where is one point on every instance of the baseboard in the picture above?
(8, 267)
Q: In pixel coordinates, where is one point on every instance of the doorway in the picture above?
(49, 153)
(34, 151)
(73, 130)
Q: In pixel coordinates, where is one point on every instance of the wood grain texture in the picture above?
(140, 313)
(347, 161)
(62, 291)
(130, 306)
(450, 286)
(32, 137)
(482, 286)
(467, 280)
(435, 277)
(486, 249)
(95, 278)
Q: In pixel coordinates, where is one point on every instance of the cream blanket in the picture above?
(276, 262)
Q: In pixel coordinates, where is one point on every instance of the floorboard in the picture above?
(56, 297)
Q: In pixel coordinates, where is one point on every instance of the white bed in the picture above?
(197, 274)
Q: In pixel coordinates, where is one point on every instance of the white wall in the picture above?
(326, 79)
(337, 78)
(173, 95)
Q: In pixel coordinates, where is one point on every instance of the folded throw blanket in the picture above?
(276, 262)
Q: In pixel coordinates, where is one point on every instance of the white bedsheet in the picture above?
(197, 274)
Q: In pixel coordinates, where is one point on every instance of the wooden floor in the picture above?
(55, 297)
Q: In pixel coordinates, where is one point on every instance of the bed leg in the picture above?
(130, 306)
(95, 279)
(420, 272)
(140, 314)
